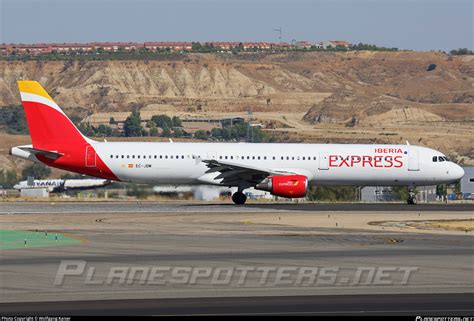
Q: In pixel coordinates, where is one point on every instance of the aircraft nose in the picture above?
(457, 172)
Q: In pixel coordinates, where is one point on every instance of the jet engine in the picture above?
(290, 186)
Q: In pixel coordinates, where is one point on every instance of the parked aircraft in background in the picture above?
(285, 170)
(62, 185)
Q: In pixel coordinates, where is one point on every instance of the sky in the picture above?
(405, 24)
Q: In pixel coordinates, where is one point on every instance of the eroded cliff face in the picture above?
(362, 84)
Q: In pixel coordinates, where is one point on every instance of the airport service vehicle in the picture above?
(62, 185)
(285, 170)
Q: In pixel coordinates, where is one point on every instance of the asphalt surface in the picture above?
(175, 235)
(152, 207)
(446, 304)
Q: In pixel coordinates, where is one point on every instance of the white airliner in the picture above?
(285, 170)
(62, 185)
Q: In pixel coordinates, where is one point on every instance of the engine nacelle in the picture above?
(291, 186)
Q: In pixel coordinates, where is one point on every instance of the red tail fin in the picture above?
(50, 128)
(52, 131)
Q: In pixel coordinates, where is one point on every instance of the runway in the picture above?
(449, 304)
(155, 207)
(256, 237)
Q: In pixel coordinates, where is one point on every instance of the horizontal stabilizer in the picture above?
(41, 152)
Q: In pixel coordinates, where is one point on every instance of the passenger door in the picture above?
(413, 160)
(323, 161)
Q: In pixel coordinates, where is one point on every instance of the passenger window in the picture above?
(133, 156)
(128, 156)
(122, 156)
(435, 159)
(111, 156)
(258, 157)
(441, 159)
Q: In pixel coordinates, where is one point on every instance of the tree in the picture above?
(166, 132)
(153, 131)
(216, 132)
(12, 118)
(162, 121)
(178, 132)
(332, 193)
(86, 129)
(36, 170)
(8, 178)
(177, 122)
(133, 125)
(104, 131)
(196, 47)
(461, 51)
(201, 134)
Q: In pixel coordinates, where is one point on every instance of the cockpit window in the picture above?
(440, 159)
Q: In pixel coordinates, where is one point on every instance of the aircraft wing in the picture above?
(231, 174)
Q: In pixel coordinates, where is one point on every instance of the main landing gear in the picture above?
(239, 198)
(411, 196)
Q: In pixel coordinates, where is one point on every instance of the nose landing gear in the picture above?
(411, 196)
(239, 198)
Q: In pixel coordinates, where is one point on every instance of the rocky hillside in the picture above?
(362, 84)
(372, 96)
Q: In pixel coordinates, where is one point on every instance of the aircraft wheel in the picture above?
(411, 201)
(239, 198)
